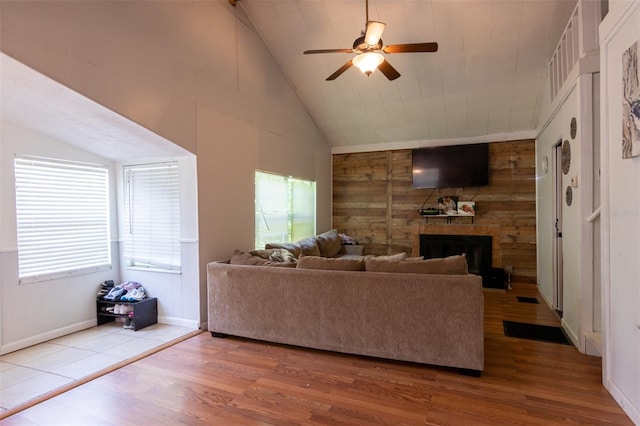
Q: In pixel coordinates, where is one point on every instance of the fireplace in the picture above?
(477, 248)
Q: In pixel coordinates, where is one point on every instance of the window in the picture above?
(285, 209)
(62, 218)
(152, 210)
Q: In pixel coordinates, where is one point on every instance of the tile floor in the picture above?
(36, 370)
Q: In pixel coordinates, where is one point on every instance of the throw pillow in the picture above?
(330, 263)
(293, 248)
(241, 258)
(275, 255)
(328, 243)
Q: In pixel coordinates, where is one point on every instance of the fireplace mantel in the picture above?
(456, 229)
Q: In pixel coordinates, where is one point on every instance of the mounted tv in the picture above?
(456, 166)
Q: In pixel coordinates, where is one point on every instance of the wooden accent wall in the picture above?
(373, 200)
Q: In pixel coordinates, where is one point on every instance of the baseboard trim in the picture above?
(570, 334)
(627, 405)
(180, 322)
(44, 337)
(593, 343)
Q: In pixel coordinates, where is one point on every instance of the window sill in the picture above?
(61, 275)
(163, 271)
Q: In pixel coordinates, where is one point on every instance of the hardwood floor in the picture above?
(206, 380)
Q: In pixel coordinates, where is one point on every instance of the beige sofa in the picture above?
(419, 317)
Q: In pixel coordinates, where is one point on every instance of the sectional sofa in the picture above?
(425, 311)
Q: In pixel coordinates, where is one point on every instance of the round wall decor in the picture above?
(569, 195)
(566, 157)
(574, 128)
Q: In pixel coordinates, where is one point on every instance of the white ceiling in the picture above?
(486, 80)
(485, 83)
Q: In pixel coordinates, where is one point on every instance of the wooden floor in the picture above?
(204, 380)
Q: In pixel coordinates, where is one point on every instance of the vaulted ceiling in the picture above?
(486, 81)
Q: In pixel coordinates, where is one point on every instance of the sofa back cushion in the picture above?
(330, 263)
(329, 243)
(452, 265)
(309, 246)
(391, 257)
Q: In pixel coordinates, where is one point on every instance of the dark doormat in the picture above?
(543, 333)
(524, 299)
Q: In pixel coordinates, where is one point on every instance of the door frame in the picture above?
(557, 228)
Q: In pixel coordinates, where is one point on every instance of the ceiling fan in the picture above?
(367, 47)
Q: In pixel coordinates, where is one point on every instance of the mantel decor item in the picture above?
(569, 195)
(573, 128)
(448, 205)
(566, 157)
(466, 208)
(631, 102)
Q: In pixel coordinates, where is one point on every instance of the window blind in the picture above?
(285, 209)
(152, 208)
(272, 211)
(303, 208)
(62, 217)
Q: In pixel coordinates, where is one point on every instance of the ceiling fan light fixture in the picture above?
(368, 62)
(374, 32)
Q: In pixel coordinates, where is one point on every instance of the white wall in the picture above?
(620, 192)
(194, 74)
(37, 311)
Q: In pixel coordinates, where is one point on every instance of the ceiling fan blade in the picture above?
(374, 32)
(307, 52)
(390, 72)
(340, 71)
(411, 48)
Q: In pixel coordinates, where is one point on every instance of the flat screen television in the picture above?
(456, 166)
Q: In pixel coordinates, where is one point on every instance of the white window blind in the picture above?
(62, 217)
(152, 208)
(303, 208)
(285, 209)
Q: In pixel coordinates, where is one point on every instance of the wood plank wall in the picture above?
(373, 201)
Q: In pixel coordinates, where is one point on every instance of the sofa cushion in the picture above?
(329, 243)
(330, 263)
(241, 258)
(414, 259)
(309, 246)
(452, 265)
(391, 257)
